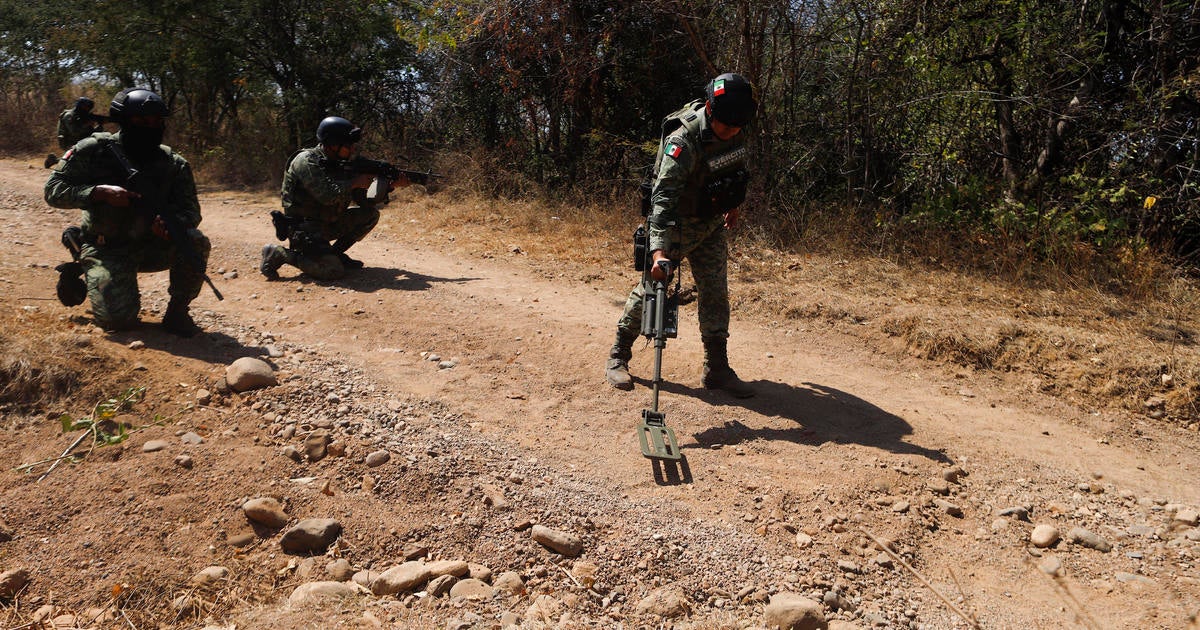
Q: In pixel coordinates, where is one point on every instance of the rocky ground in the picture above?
(430, 445)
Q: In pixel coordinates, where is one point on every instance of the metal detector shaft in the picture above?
(656, 438)
(660, 338)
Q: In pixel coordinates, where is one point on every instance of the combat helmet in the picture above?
(734, 99)
(136, 102)
(335, 130)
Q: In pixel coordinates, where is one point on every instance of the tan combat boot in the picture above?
(616, 370)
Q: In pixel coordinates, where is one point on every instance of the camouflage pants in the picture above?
(110, 273)
(703, 245)
(311, 250)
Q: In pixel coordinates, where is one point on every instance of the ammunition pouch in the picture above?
(641, 248)
(72, 239)
(284, 225)
(720, 194)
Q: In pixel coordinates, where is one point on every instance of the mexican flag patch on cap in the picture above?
(718, 87)
(673, 150)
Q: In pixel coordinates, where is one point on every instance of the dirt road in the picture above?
(845, 434)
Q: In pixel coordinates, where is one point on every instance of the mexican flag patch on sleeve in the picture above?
(673, 150)
(718, 87)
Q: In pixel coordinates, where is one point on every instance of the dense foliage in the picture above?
(1018, 133)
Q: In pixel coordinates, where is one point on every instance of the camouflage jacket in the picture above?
(73, 127)
(165, 183)
(688, 156)
(312, 190)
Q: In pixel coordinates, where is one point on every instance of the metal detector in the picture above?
(660, 321)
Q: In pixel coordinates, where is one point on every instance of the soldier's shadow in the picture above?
(821, 413)
(212, 346)
(372, 279)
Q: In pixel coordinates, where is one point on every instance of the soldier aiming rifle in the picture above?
(319, 186)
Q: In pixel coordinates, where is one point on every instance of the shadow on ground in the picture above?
(372, 279)
(822, 414)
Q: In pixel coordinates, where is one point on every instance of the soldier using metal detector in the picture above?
(690, 201)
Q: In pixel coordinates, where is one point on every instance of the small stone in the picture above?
(471, 589)
(1017, 512)
(378, 458)
(240, 540)
(13, 582)
(803, 540)
(1086, 538)
(440, 585)
(900, 507)
(311, 536)
(668, 602)
(561, 542)
(154, 446)
(339, 570)
(939, 486)
(316, 445)
(1188, 516)
(137, 344)
(184, 461)
(265, 511)
(1044, 536)
(509, 582)
(192, 438)
(401, 579)
(311, 591)
(949, 508)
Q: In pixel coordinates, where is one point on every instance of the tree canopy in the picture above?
(1045, 130)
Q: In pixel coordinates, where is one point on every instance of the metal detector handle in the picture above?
(667, 270)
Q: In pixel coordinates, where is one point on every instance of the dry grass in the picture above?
(1075, 337)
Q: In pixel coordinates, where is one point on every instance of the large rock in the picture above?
(789, 611)
(249, 373)
(311, 536)
(265, 511)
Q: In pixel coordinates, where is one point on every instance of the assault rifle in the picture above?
(385, 173)
(176, 231)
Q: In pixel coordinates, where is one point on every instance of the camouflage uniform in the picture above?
(684, 224)
(74, 126)
(320, 197)
(118, 242)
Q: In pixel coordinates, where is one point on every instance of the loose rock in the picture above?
(1086, 538)
(311, 536)
(471, 589)
(265, 511)
(249, 373)
(561, 542)
(311, 591)
(13, 582)
(791, 611)
(668, 602)
(1044, 536)
(401, 579)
